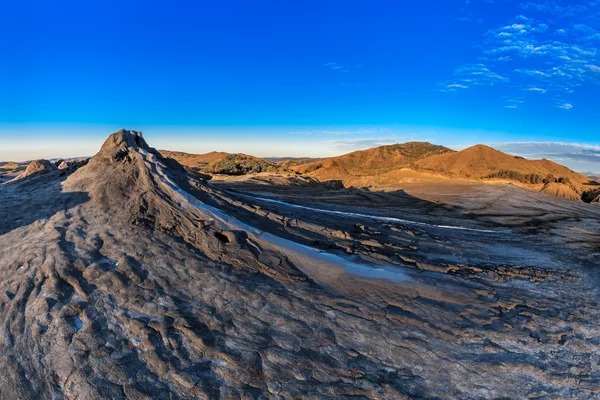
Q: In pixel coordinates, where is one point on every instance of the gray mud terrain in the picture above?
(129, 278)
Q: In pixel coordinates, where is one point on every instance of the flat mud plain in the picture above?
(129, 278)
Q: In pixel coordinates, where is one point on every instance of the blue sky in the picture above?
(314, 78)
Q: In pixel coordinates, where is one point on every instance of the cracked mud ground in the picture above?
(128, 278)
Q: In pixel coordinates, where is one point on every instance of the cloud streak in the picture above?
(536, 89)
(571, 153)
(565, 106)
(348, 145)
(338, 67)
(550, 47)
(472, 75)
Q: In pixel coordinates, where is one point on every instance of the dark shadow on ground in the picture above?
(344, 235)
(397, 203)
(35, 198)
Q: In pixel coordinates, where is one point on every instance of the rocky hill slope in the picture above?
(392, 165)
(560, 190)
(9, 165)
(483, 162)
(37, 167)
(9, 170)
(592, 196)
(369, 163)
(223, 163)
(289, 162)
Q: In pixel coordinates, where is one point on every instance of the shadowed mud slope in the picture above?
(129, 278)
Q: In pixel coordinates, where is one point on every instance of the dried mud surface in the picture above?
(129, 278)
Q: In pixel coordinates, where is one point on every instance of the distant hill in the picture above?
(484, 162)
(223, 163)
(194, 160)
(592, 175)
(377, 161)
(408, 162)
(37, 167)
(288, 162)
(420, 161)
(9, 165)
(9, 170)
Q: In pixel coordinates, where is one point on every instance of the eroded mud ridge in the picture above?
(128, 278)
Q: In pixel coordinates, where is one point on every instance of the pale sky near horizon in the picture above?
(310, 78)
(26, 144)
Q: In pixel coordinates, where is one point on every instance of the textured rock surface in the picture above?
(37, 167)
(593, 196)
(130, 279)
(560, 190)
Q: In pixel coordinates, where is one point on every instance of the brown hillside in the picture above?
(223, 163)
(414, 161)
(560, 190)
(9, 165)
(372, 162)
(483, 162)
(292, 161)
(194, 160)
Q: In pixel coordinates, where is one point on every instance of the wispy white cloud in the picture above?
(565, 9)
(479, 74)
(536, 89)
(513, 103)
(565, 106)
(472, 75)
(549, 46)
(575, 154)
(451, 87)
(593, 68)
(362, 143)
(334, 66)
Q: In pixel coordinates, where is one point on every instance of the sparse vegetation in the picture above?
(212, 163)
(533, 179)
(239, 164)
(590, 195)
(313, 168)
(517, 176)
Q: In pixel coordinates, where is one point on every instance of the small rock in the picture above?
(371, 243)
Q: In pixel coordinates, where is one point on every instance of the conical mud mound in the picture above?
(35, 168)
